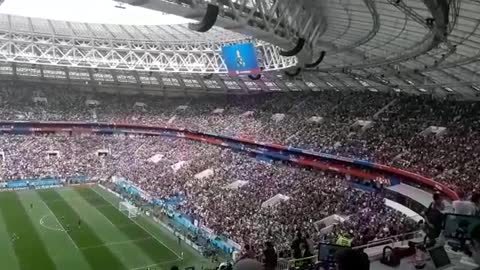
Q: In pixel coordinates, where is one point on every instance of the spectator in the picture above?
(434, 218)
(349, 259)
(248, 252)
(296, 246)
(475, 199)
(305, 250)
(475, 246)
(309, 242)
(270, 255)
(463, 206)
(248, 264)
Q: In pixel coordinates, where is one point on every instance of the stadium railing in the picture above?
(392, 240)
(301, 156)
(400, 238)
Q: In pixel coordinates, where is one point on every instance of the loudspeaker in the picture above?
(208, 20)
(255, 77)
(293, 74)
(296, 50)
(316, 63)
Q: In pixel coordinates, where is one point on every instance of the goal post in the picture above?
(128, 208)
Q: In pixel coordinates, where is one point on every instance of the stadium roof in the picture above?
(415, 46)
(88, 11)
(162, 33)
(392, 42)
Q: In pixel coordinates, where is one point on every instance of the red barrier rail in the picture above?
(302, 157)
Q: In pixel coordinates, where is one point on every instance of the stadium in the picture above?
(239, 134)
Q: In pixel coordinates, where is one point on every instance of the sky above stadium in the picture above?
(92, 11)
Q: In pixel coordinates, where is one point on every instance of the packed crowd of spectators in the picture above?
(394, 138)
(325, 121)
(235, 212)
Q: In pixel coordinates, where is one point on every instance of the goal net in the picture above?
(130, 209)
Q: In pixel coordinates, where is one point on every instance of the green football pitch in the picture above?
(75, 228)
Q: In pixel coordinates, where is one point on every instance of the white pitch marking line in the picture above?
(109, 221)
(116, 243)
(70, 199)
(58, 221)
(155, 264)
(143, 228)
(48, 227)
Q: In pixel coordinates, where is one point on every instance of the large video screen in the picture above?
(241, 59)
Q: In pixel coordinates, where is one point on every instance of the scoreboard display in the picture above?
(241, 59)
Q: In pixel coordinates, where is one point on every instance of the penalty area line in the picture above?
(59, 223)
(42, 222)
(143, 228)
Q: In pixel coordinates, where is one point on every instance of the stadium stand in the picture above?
(388, 82)
(237, 213)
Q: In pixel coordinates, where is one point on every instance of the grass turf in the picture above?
(81, 228)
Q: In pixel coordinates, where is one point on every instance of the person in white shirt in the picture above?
(463, 206)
